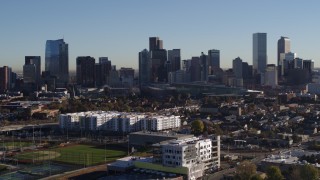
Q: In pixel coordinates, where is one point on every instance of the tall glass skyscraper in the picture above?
(283, 47)
(214, 58)
(57, 61)
(33, 60)
(259, 52)
(144, 67)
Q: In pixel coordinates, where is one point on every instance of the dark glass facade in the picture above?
(57, 61)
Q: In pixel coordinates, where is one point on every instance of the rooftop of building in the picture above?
(284, 159)
(165, 133)
(191, 140)
(121, 114)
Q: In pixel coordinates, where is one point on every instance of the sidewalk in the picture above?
(78, 172)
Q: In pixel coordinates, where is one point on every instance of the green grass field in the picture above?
(16, 144)
(76, 154)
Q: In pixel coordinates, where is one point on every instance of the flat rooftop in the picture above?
(285, 159)
(162, 134)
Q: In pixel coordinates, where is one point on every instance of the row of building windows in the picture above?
(205, 146)
(173, 151)
(208, 157)
(173, 163)
(173, 157)
(188, 162)
(205, 152)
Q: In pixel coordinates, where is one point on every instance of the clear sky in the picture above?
(119, 29)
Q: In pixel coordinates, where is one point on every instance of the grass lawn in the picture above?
(77, 154)
(38, 155)
(3, 167)
(15, 144)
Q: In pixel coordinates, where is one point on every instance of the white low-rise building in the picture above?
(194, 153)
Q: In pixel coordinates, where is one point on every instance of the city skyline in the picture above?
(120, 29)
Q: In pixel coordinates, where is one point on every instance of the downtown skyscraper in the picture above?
(30, 75)
(5, 78)
(284, 46)
(259, 53)
(144, 68)
(102, 71)
(174, 60)
(57, 61)
(86, 71)
(214, 58)
(155, 43)
(158, 57)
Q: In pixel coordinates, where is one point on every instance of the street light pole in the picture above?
(40, 135)
(128, 146)
(33, 135)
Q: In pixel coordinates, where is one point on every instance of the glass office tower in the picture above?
(57, 61)
(260, 52)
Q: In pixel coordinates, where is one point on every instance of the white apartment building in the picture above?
(117, 121)
(159, 123)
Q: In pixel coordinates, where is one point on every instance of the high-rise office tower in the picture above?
(237, 67)
(287, 62)
(214, 58)
(155, 43)
(104, 60)
(174, 58)
(158, 68)
(126, 76)
(36, 60)
(246, 71)
(158, 57)
(85, 71)
(5, 78)
(102, 71)
(29, 78)
(259, 52)
(195, 69)
(144, 67)
(271, 76)
(204, 67)
(57, 61)
(283, 47)
(308, 65)
(298, 63)
(29, 73)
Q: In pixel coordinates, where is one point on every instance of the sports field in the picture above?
(76, 154)
(14, 144)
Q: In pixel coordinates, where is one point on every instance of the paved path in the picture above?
(78, 172)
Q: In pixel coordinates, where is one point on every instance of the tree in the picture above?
(274, 173)
(309, 172)
(256, 177)
(246, 170)
(197, 127)
(294, 173)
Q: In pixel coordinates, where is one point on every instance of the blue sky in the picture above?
(119, 29)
